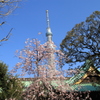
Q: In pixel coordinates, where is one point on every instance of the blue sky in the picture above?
(30, 19)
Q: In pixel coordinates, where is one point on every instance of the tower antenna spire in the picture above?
(47, 18)
(48, 33)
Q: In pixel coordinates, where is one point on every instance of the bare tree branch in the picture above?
(7, 36)
(6, 8)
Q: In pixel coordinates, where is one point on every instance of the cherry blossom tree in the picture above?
(43, 61)
(35, 59)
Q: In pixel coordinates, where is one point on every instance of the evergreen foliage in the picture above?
(83, 41)
(10, 87)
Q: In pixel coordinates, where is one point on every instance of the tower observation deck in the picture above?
(48, 33)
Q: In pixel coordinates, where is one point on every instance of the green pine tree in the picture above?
(10, 86)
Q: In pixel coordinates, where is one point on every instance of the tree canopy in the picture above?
(10, 86)
(82, 42)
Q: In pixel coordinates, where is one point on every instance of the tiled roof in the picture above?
(82, 72)
(86, 87)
